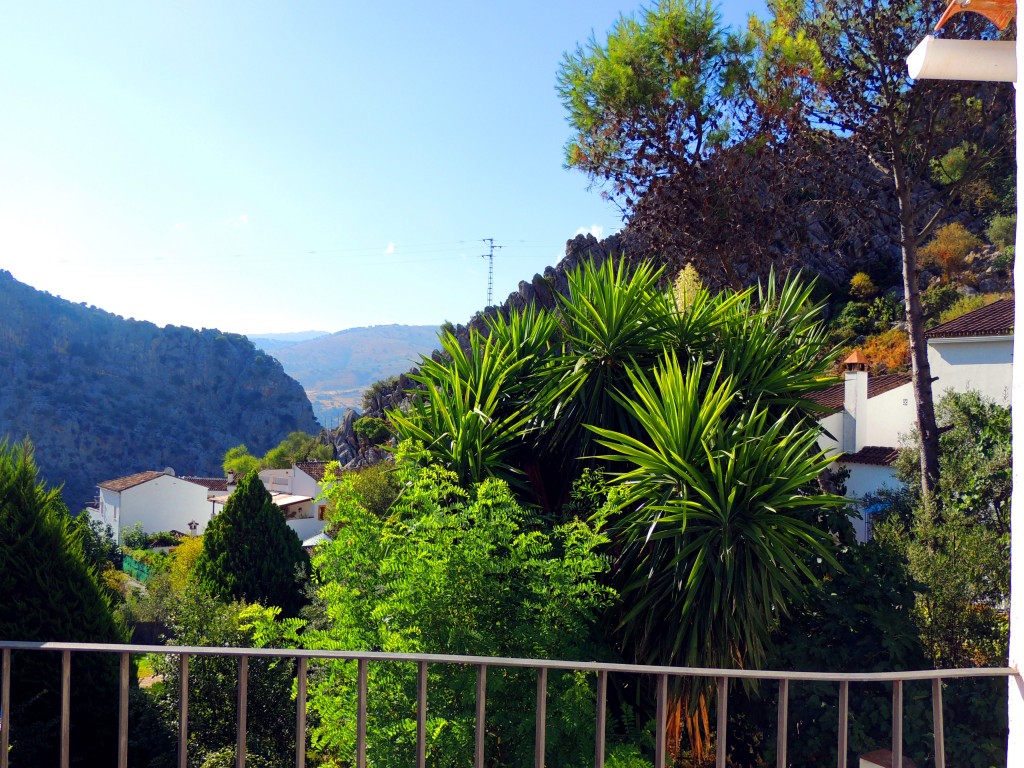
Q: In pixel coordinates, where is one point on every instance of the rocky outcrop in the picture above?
(102, 397)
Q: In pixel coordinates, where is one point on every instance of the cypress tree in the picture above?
(51, 593)
(250, 553)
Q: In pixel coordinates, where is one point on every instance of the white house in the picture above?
(158, 500)
(296, 491)
(869, 415)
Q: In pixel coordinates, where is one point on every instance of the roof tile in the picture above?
(878, 455)
(124, 483)
(995, 319)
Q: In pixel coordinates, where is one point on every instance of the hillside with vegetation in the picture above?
(335, 369)
(101, 397)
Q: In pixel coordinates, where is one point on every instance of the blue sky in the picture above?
(270, 167)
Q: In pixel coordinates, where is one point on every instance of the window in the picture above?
(321, 512)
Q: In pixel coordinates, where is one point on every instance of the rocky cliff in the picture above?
(101, 396)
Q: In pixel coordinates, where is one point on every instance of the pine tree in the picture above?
(250, 553)
(50, 593)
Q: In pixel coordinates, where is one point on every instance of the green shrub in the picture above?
(938, 299)
(855, 317)
(372, 429)
(886, 310)
(1002, 231)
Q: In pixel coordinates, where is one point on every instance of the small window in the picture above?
(321, 512)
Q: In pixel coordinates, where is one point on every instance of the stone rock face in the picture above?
(102, 397)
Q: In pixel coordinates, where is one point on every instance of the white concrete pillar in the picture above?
(1015, 743)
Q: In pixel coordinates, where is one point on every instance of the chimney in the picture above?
(855, 402)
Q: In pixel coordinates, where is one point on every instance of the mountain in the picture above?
(269, 341)
(102, 397)
(337, 369)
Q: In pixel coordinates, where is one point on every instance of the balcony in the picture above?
(725, 679)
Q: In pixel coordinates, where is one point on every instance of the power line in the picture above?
(490, 266)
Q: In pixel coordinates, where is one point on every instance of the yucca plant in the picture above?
(468, 418)
(716, 525)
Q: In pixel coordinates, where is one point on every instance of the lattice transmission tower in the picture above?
(490, 266)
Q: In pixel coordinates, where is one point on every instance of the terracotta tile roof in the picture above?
(314, 469)
(878, 455)
(996, 319)
(124, 483)
(209, 483)
(832, 398)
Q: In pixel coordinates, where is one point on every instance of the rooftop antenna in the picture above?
(490, 266)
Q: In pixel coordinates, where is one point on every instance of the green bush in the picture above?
(372, 429)
(1002, 231)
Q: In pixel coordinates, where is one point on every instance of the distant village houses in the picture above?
(162, 501)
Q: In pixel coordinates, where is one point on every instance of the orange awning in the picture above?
(999, 12)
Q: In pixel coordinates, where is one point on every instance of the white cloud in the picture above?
(242, 220)
(595, 229)
(390, 249)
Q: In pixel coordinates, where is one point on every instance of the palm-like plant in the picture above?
(468, 418)
(716, 524)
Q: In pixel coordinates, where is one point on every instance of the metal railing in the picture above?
(661, 675)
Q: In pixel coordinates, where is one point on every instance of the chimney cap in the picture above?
(855, 362)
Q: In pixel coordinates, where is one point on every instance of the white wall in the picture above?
(892, 414)
(307, 528)
(304, 485)
(864, 479)
(279, 481)
(162, 504)
(983, 365)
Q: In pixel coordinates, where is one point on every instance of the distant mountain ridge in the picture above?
(102, 397)
(336, 369)
(269, 341)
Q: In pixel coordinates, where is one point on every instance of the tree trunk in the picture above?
(927, 429)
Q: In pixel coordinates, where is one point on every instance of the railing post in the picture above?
(542, 717)
(661, 722)
(781, 741)
(937, 724)
(361, 714)
(65, 709)
(481, 710)
(897, 723)
(602, 716)
(844, 718)
(243, 709)
(5, 708)
(300, 713)
(183, 714)
(122, 715)
(723, 721)
(421, 715)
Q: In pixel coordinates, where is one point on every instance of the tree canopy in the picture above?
(51, 593)
(249, 552)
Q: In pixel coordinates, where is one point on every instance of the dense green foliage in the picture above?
(250, 553)
(50, 592)
(961, 559)
(199, 619)
(700, 402)
(459, 570)
(298, 446)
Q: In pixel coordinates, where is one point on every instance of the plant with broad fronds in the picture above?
(700, 411)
